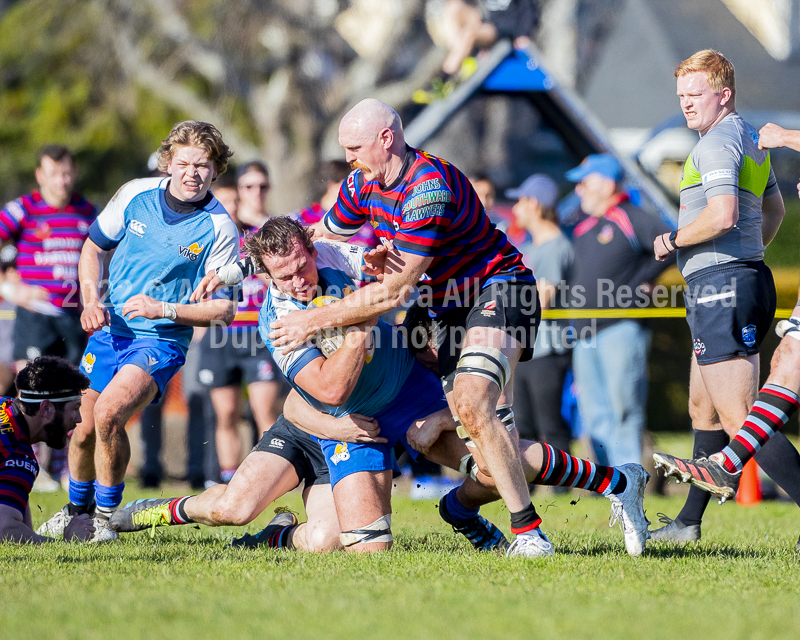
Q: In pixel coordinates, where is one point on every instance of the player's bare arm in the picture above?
(771, 136)
(402, 272)
(424, 433)
(95, 315)
(14, 527)
(719, 217)
(332, 380)
(772, 214)
(201, 314)
(351, 428)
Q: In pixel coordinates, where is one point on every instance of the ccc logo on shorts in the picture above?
(276, 443)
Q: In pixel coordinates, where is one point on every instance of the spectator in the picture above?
(614, 267)
(539, 383)
(236, 355)
(254, 184)
(50, 226)
(333, 174)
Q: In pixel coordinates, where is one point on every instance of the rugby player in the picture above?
(299, 268)
(167, 234)
(480, 291)
(720, 472)
(730, 210)
(46, 409)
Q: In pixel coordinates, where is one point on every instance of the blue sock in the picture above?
(81, 494)
(457, 510)
(108, 498)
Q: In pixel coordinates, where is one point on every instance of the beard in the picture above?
(56, 432)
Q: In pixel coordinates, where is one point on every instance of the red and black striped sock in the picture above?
(525, 520)
(772, 410)
(563, 470)
(177, 511)
(281, 538)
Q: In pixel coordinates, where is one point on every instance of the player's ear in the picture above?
(47, 410)
(725, 95)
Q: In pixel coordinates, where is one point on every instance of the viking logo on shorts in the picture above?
(191, 252)
(749, 335)
(88, 362)
(340, 453)
(699, 348)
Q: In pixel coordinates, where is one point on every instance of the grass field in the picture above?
(742, 581)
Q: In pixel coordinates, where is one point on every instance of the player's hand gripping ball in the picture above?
(329, 339)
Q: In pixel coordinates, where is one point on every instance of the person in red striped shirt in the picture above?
(49, 226)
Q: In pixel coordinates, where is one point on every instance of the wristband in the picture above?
(168, 311)
(672, 237)
(8, 291)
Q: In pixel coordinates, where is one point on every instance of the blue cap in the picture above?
(605, 164)
(539, 186)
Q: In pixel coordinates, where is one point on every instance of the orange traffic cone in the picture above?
(749, 493)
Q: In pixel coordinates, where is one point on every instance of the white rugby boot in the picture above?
(531, 544)
(102, 531)
(54, 527)
(627, 508)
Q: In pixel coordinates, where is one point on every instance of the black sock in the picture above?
(705, 443)
(780, 461)
(525, 520)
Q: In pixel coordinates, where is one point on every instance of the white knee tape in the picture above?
(486, 362)
(468, 466)
(378, 531)
(790, 327)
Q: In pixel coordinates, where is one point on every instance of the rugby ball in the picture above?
(328, 340)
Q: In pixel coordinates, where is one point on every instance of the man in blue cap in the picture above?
(614, 268)
(539, 383)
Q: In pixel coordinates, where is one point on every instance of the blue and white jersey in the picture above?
(389, 362)
(160, 253)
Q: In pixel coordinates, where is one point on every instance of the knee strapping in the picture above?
(505, 413)
(486, 362)
(790, 327)
(378, 531)
(469, 467)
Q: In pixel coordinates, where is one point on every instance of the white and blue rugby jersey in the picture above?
(385, 373)
(160, 253)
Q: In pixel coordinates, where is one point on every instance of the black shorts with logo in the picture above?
(36, 334)
(300, 449)
(232, 357)
(729, 308)
(512, 306)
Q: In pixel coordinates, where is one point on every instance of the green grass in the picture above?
(743, 581)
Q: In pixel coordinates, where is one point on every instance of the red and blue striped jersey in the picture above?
(432, 210)
(49, 242)
(18, 466)
(364, 237)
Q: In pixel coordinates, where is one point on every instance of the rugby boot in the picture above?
(531, 544)
(708, 474)
(142, 514)
(627, 508)
(54, 527)
(674, 531)
(482, 534)
(102, 530)
(275, 526)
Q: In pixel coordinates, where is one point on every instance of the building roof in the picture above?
(633, 86)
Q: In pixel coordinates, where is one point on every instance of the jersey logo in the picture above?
(137, 228)
(606, 234)
(719, 174)
(88, 362)
(340, 453)
(276, 443)
(426, 198)
(43, 231)
(191, 252)
(5, 419)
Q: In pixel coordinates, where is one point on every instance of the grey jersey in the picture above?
(726, 160)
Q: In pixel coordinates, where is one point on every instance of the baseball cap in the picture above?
(603, 163)
(539, 186)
